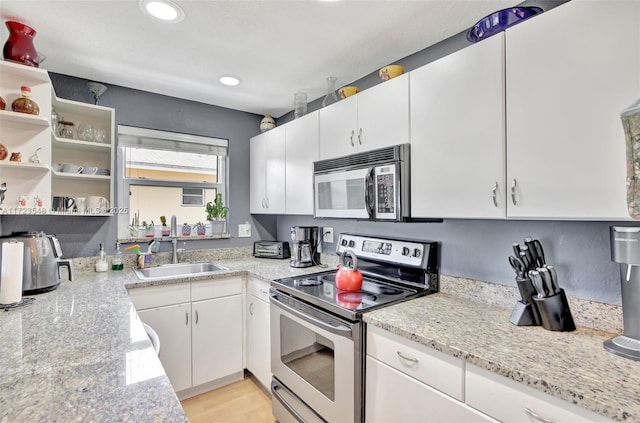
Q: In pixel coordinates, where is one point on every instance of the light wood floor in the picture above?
(239, 402)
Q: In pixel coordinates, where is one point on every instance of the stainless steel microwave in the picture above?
(372, 185)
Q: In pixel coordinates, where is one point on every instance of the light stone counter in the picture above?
(573, 366)
(79, 353)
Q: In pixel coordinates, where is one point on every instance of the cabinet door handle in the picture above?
(251, 309)
(267, 200)
(494, 193)
(514, 184)
(360, 136)
(351, 138)
(409, 359)
(537, 417)
(186, 316)
(263, 204)
(197, 317)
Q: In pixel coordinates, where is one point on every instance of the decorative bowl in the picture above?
(390, 71)
(345, 92)
(499, 21)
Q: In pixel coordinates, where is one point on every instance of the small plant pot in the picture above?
(166, 232)
(201, 230)
(186, 230)
(217, 227)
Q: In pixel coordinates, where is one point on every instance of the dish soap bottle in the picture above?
(101, 263)
(116, 263)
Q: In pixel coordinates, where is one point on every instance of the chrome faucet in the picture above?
(174, 239)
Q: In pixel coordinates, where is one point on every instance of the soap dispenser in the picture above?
(101, 263)
(116, 263)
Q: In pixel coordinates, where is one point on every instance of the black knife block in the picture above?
(525, 313)
(555, 312)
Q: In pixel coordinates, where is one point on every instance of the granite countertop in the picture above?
(79, 353)
(573, 366)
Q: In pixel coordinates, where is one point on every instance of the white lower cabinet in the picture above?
(200, 328)
(408, 382)
(216, 341)
(510, 401)
(173, 326)
(258, 331)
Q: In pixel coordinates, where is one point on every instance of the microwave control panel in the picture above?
(386, 193)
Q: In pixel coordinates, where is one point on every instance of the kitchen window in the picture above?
(164, 173)
(193, 197)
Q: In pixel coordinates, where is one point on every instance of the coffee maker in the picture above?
(304, 246)
(625, 250)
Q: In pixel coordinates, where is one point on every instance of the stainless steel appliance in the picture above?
(304, 240)
(42, 261)
(317, 335)
(625, 250)
(271, 249)
(370, 185)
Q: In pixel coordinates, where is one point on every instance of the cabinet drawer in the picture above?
(259, 289)
(392, 396)
(436, 369)
(216, 288)
(158, 296)
(506, 400)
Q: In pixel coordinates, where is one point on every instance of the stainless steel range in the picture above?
(317, 335)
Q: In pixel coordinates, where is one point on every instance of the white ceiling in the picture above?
(275, 47)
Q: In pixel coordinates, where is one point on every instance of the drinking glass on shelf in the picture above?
(100, 135)
(67, 129)
(85, 132)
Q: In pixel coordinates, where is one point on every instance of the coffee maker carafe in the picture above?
(304, 246)
(625, 250)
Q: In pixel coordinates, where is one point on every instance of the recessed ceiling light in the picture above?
(163, 10)
(229, 80)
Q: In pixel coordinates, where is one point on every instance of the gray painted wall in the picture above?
(478, 249)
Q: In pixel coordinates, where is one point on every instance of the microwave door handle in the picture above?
(369, 196)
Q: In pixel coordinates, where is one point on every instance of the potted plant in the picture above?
(147, 229)
(200, 229)
(216, 214)
(165, 229)
(186, 229)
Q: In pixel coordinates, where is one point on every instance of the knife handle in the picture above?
(554, 278)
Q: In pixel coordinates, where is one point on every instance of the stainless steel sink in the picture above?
(172, 271)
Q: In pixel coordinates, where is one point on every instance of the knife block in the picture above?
(555, 312)
(525, 313)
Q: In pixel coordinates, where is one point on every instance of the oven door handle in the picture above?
(342, 330)
(275, 388)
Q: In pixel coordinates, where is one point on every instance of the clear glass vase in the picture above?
(300, 104)
(331, 96)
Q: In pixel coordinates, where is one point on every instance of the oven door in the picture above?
(344, 194)
(317, 357)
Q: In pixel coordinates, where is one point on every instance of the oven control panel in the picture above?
(391, 250)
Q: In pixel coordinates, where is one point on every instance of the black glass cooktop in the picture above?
(320, 289)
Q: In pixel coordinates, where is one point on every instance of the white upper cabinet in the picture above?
(374, 118)
(569, 74)
(267, 173)
(458, 135)
(301, 151)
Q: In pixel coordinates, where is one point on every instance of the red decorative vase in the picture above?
(19, 46)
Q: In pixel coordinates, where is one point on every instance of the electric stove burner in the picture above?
(307, 282)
